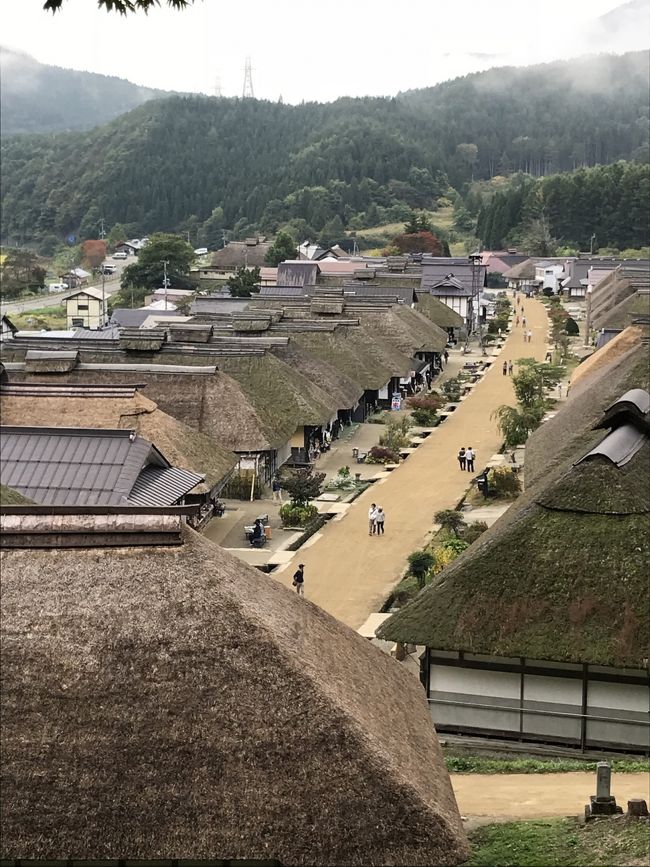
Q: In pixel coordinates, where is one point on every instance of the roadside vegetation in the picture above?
(559, 842)
(530, 765)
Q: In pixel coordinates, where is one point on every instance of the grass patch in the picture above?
(561, 842)
(484, 765)
(40, 318)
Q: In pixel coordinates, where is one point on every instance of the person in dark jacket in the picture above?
(299, 580)
(461, 458)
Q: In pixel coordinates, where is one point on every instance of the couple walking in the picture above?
(376, 518)
(466, 458)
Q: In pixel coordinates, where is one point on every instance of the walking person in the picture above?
(276, 488)
(510, 368)
(299, 580)
(470, 455)
(379, 521)
(530, 335)
(372, 519)
(505, 368)
(462, 458)
(517, 321)
(446, 355)
(523, 321)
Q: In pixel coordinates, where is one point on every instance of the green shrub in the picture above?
(396, 436)
(297, 516)
(377, 418)
(571, 327)
(382, 455)
(420, 564)
(424, 417)
(503, 482)
(452, 389)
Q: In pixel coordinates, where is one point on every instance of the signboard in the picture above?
(396, 401)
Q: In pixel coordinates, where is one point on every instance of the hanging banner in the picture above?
(396, 402)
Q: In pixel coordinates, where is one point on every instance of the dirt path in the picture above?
(348, 572)
(538, 796)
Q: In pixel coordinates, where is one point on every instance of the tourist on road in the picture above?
(470, 455)
(372, 519)
(517, 321)
(379, 521)
(462, 458)
(276, 487)
(505, 368)
(510, 367)
(446, 355)
(530, 335)
(523, 321)
(299, 580)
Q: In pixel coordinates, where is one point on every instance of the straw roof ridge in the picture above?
(176, 700)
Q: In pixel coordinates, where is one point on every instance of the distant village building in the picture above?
(250, 253)
(86, 308)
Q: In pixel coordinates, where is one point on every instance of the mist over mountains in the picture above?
(36, 97)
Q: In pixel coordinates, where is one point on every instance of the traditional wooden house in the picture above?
(7, 328)
(249, 253)
(90, 466)
(115, 406)
(441, 314)
(159, 696)
(539, 631)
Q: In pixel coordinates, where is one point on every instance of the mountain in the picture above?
(40, 98)
(203, 164)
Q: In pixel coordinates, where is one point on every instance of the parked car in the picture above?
(121, 255)
(58, 287)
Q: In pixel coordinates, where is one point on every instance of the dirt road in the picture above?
(348, 572)
(538, 796)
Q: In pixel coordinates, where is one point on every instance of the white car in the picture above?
(120, 255)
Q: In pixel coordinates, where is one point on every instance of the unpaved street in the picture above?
(348, 572)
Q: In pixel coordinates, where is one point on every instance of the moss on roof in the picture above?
(438, 312)
(9, 497)
(174, 700)
(554, 582)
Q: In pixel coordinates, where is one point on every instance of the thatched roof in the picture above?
(630, 308)
(438, 312)
(10, 497)
(173, 700)
(182, 446)
(214, 404)
(523, 271)
(562, 576)
(569, 430)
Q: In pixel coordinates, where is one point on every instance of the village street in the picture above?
(350, 573)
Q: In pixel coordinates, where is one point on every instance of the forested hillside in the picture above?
(41, 98)
(612, 203)
(203, 164)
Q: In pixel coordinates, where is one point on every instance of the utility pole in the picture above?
(165, 280)
(475, 261)
(102, 230)
(591, 244)
(102, 321)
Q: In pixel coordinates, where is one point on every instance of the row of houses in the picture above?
(574, 278)
(263, 382)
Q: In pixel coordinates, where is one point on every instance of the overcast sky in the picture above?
(308, 51)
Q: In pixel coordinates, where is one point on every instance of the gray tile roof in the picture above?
(433, 273)
(162, 486)
(88, 466)
(297, 274)
(124, 316)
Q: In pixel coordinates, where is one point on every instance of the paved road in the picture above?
(539, 796)
(112, 285)
(348, 572)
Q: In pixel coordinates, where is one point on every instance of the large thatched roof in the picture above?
(438, 312)
(562, 576)
(181, 445)
(173, 701)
